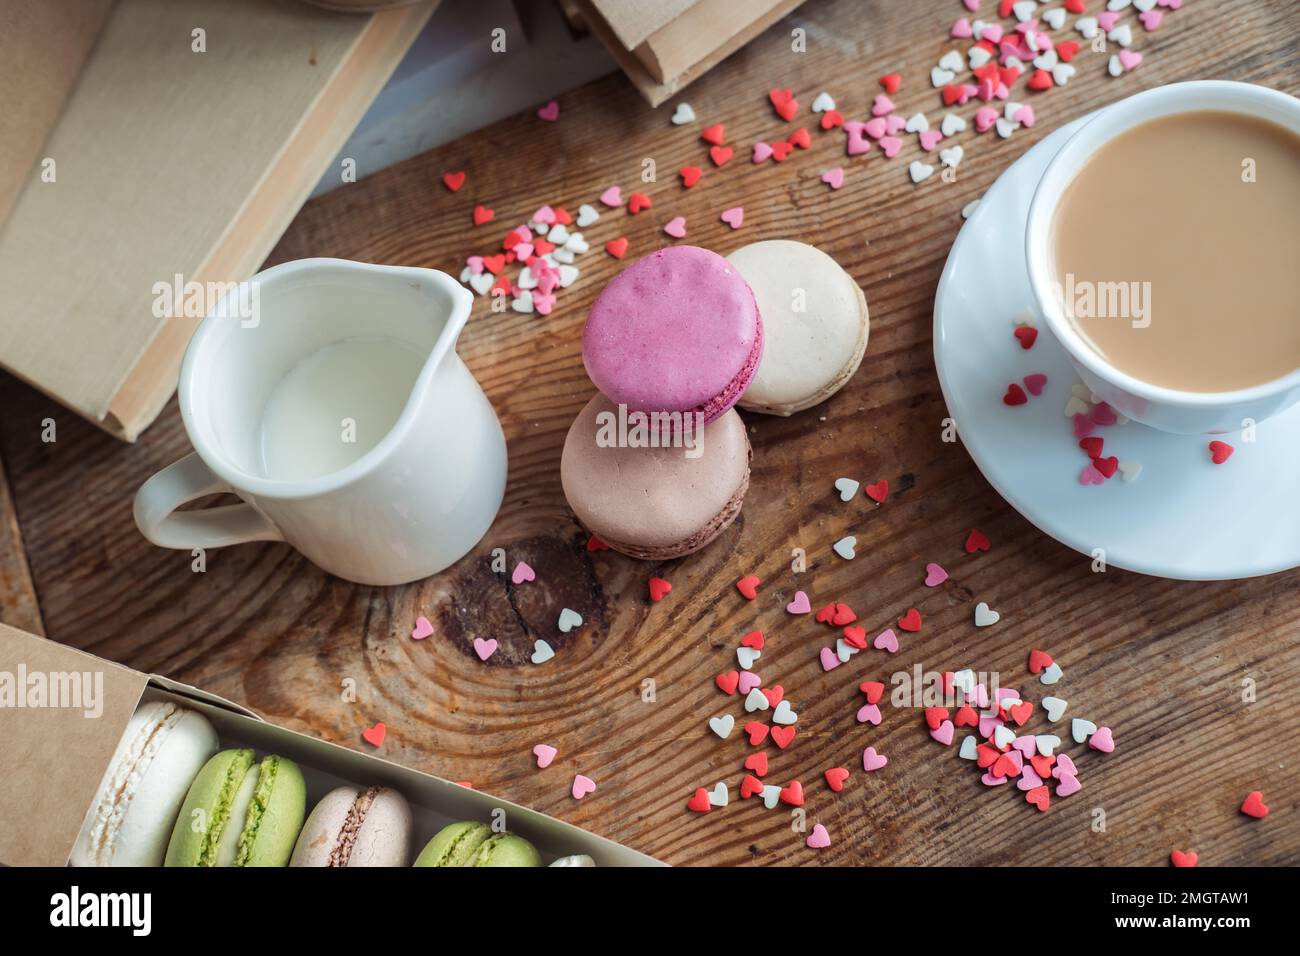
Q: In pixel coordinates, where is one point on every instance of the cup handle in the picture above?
(183, 481)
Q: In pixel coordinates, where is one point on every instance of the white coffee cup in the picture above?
(1167, 409)
(413, 504)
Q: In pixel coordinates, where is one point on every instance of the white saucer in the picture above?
(1183, 517)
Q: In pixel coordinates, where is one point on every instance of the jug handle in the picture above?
(183, 481)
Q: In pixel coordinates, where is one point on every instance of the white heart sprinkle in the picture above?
(968, 745)
(952, 60)
(1024, 10)
(1054, 18)
(985, 616)
(847, 487)
(1114, 5)
(1081, 729)
(784, 713)
(1055, 707)
(1051, 674)
(722, 726)
(1088, 26)
(771, 795)
(964, 679)
(719, 796)
(1114, 67)
(1003, 735)
(526, 279)
(568, 275)
(1129, 470)
(845, 547)
(569, 619)
(746, 657)
(951, 124)
(683, 114)
(1046, 61)
(756, 700)
(586, 216)
(823, 102)
(559, 234)
(523, 302)
(940, 77)
(1010, 110)
(844, 650)
(1046, 743)
(1122, 34)
(920, 171)
(917, 122)
(562, 255)
(1076, 406)
(542, 652)
(1005, 127)
(1144, 6)
(978, 57)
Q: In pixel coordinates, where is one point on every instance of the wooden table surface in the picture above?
(1161, 662)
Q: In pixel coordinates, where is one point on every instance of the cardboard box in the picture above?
(59, 754)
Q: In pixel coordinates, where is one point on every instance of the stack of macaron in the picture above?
(170, 798)
(657, 463)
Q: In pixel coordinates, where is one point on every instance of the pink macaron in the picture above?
(676, 331)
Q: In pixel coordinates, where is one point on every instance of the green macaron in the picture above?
(474, 844)
(240, 812)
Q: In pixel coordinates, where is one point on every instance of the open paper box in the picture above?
(58, 755)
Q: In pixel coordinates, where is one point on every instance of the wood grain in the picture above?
(1161, 662)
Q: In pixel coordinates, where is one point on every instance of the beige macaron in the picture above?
(815, 324)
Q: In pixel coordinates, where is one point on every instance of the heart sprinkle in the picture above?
(976, 541)
(545, 753)
(1253, 805)
(733, 217)
(485, 648)
(375, 735)
(835, 778)
(934, 575)
(748, 586)
(819, 839)
(569, 619)
(582, 786)
(911, 621)
(523, 573)
(800, 604)
(542, 652)
(1220, 452)
(659, 589)
(422, 628)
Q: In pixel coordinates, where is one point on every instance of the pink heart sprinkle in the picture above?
(676, 227)
(985, 117)
(1102, 740)
(830, 660)
(894, 125)
(1025, 115)
(1029, 779)
(544, 214)
(1036, 382)
(934, 575)
(991, 32)
(1007, 694)
(550, 112)
(543, 302)
(979, 696)
(891, 145)
(971, 5)
(422, 628)
(855, 143)
(930, 139)
(987, 89)
(1171, 4)
(882, 106)
(1091, 476)
(1129, 58)
(522, 571)
(819, 839)
(1107, 19)
(834, 177)
(748, 681)
(1064, 765)
(1017, 759)
(1083, 426)
(762, 152)
(734, 216)
(991, 781)
(582, 786)
(943, 733)
(545, 753)
(886, 640)
(869, 714)
(961, 30)
(1066, 784)
(1151, 20)
(523, 251)
(800, 604)
(876, 128)
(613, 196)
(485, 649)
(475, 264)
(1026, 745)
(872, 760)
(546, 282)
(988, 725)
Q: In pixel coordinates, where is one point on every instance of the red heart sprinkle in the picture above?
(1004, 766)
(617, 247)
(784, 102)
(1020, 712)
(494, 264)
(1074, 6)
(1068, 49)
(1039, 660)
(780, 151)
(713, 134)
(720, 154)
(911, 621)
(1042, 764)
(1015, 395)
(757, 732)
(1009, 74)
(792, 793)
(541, 247)
(659, 588)
(774, 694)
(700, 802)
(873, 689)
(1041, 80)
(951, 94)
(989, 72)
(1220, 451)
(825, 614)
(800, 138)
(690, 175)
(1254, 805)
(1004, 7)
(751, 785)
(562, 216)
(781, 736)
(1027, 335)
(375, 735)
(976, 541)
(483, 214)
(843, 615)
(637, 202)
(934, 716)
(891, 82)
(835, 777)
(856, 636)
(594, 543)
(1179, 858)
(967, 716)
(748, 586)
(757, 762)
(986, 756)
(753, 639)
(453, 181)
(1107, 466)
(878, 492)
(1092, 446)
(728, 682)
(1039, 797)
(832, 119)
